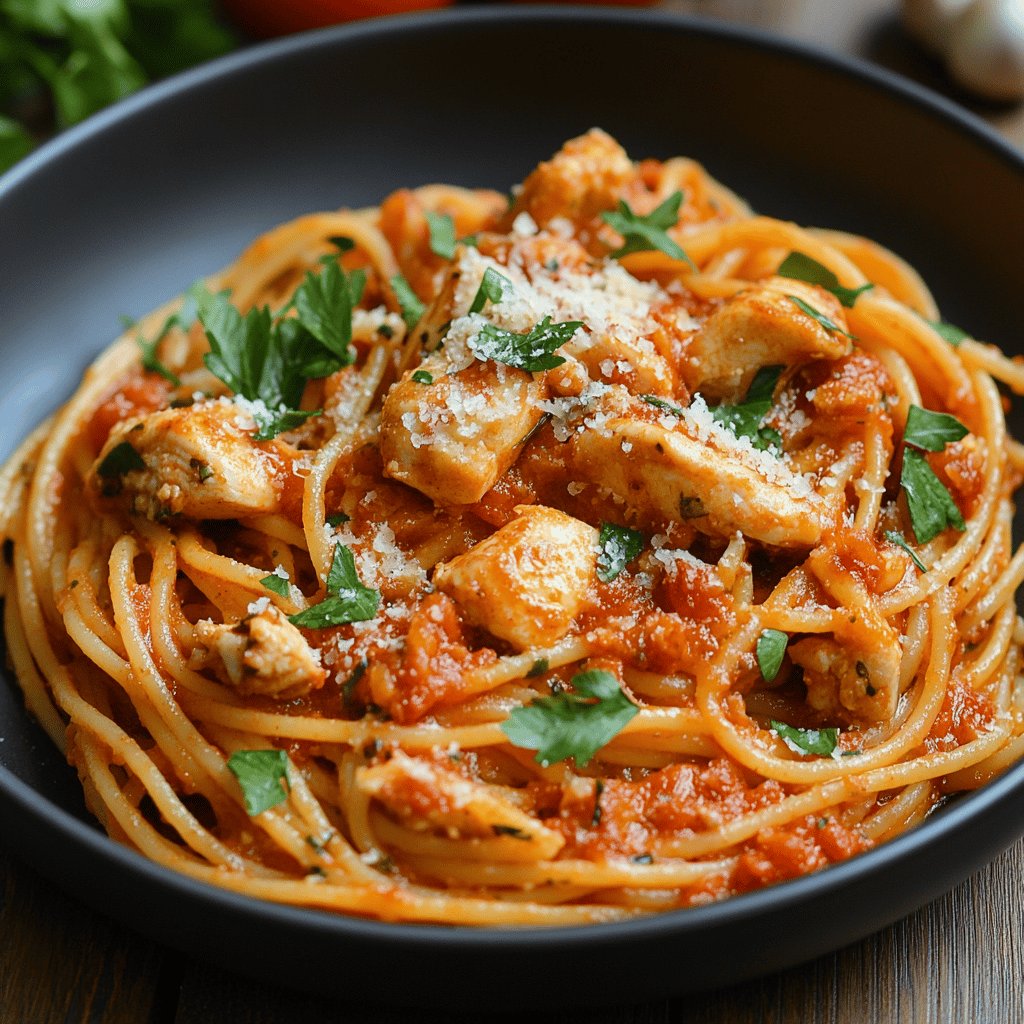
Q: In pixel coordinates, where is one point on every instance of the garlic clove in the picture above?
(929, 21)
(985, 51)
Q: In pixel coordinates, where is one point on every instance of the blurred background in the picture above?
(62, 60)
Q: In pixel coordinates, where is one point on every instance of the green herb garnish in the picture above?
(260, 773)
(807, 741)
(121, 459)
(744, 419)
(949, 332)
(617, 546)
(347, 599)
(647, 233)
(931, 431)
(771, 648)
(573, 725)
(900, 541)
(408, 301)
(532, 351)
(492, 287)
(801, 267)
(276, 585)
(442, 234)
(931, 506)
(825, 322)
(422, 377)
(660, 403)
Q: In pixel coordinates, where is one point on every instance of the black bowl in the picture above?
(126, 210)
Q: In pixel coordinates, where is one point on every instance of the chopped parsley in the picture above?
(338, 518)
(807, 741)
(829, 325)
(492, 287)
(595, 818)
(617, 547)
(532, 351)
(801, 267)
(121, 459)
(538, 668)
(894, 537)
(573, 725)
(931, 431)
(512, 832)
(150, 360)
(771, 648)
(347, 599)
(422, 377)
(269, 361)
(260, 773)
(342, 243)
(408, 301)
(276, 585)
(949, 332)
(931, 506)
(442, 234)
(649, 232)
(660, 403)
(744, 419)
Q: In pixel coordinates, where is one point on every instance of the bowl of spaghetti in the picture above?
(582, 559)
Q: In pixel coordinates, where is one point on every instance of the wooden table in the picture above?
(959, 959)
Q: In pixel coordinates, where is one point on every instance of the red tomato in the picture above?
(265, 18)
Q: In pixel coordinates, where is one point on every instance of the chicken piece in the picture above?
(664, 474)
(527, 581)
(850, 682)
(762, 326)
(453, 438)
(584, 178)
(263, 654)
(197, 462)
(431, 797)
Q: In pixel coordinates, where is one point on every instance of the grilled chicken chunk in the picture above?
(762, 326)
(430, 797)
(527, 581)
(263, 654)
(200, 462)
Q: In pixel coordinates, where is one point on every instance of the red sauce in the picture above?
(140, 394)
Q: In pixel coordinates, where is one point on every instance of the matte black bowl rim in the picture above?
(775, 899)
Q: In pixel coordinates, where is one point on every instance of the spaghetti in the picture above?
(604, 550)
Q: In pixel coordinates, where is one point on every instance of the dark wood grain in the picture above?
(62, 964)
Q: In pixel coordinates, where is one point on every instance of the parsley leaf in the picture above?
(276, 585)
(121, 459)
(801, 267)
(150, 360)
(825, 322)
(260, 773)
(618, 545)
(949, 332)
(931, 431)
(572, 724)
(347, 599)
(492, 287)
(324, 304)
(422, 377)
(408, 301)
(771, 648)
(533, 351)
(894, 537)
(647, 233)
(807, 741)
(267, 362)
(660, 403)
(744, 419)
(932, 508)
(442, 234)
(342, 243)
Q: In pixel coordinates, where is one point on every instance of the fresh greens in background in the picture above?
(62, 60)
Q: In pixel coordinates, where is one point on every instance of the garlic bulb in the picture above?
(929, 21)
(985, 51)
